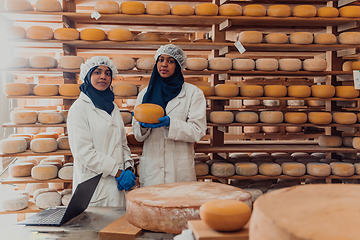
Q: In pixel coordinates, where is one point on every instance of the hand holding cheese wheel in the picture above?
(148, 113)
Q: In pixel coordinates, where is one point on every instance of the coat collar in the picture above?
(175, 101)
(100, 112)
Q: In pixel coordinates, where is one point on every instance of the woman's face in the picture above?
(101, 78)
(166, 65)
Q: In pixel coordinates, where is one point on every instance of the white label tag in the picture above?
(239, 47)
(95, 15)
(356, 74)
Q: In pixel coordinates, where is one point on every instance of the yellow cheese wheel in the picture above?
(304, 11)
(270, 129)
(23, 116)
(290, 64)
(220, 63)
(344, 117)
(330, 141)
(39, 33)
(13, 145)
(70, 62)
(342, 169)
(69, 89)
(207, 90)
(148, 113)
(347, 66)
(158, 8)
(355, 65)
(320, 118)
(318, 169)
(294, 169)
(317, 65)
(107, 7)
(124, 63)
(120, 35)
(225, 214)
(42, 62)
(266, 64)
(92, 34)
(50, 117)
(226, 90)
(146, 36)
(21, 169)
(48, 6)
(271, 117)
(44, 172)
(201, 168)
(63, 143)
(301, 38)
(350, 11)
(250, 37)
(145, 63)
(356, 142)
(18, 5)
(230, 9)
(346, 92)
(322, 91)
(243, 64)
(66, 34)
(132, 8)
(275, 91)
(197, 64)
(325, 38)
(46, 90)
(182, 10)
(221, 117)
(206, 9)
(327, 12)
(299, 91)
(280, 10)
(43, 145)
(17, 89)
(251, 91)
(254, 10)
(251, 129)
(246, 168)
(15, 32)
(246, 117)
(349, 38)
(125, 89)
(295, 117)
(276, 38)
(270, 169)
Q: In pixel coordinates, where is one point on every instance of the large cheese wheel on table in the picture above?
(107, 7)
(304, 11)
(182, 10)
(158, 8)
(23, 116)
(69, 89)
(120, 35)
(329, 12)
(165, 207)
(276, 38)
(346, 92)
(254, 10)
(48, 6)
(13, 145)
(133, 8)
(206, 9)
(124, 63)
(243, 64)
(250, 37)
(39, 33)
(301, 38)
(349, 38)
(18, 5)
(350, 11)
(226, 90)
(66, 34)
(230, 9)
(299, 91)
(92, 34)
(70, 62)
(15, 32)
(279, 10)
(17, 89)
(148, 113)
(42, 62)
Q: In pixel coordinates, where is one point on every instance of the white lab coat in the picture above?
(98, 144)
(168, 152)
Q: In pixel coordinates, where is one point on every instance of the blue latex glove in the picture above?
(164, 122)
(126, 181)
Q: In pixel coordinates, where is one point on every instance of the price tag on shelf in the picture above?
(356, 74)
(239, 47)
(95, 15)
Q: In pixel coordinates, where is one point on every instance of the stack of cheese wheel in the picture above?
(145, 63)
(276, 38)
(17, 89)
(148, 113)
(18, 62)
(23, 116)
(124, 63)
(158, 8)
(43, 145)
(69, 89)
(66, 34)
(226, 90)
(290, 64)
(350, 11)
(230, 9)
(301, 38)
(132, 8)
(197, 64)
(70, 62)
(53, 135)
(328, 12)
(48, 6)
(322, 91)
(107, 7)
(321, 118)
(42, 62)
(275, 91)
(299, 91)
(273, 117)
(254, 10)
(278, 11)
(13, 145)
(304, 11)
(125, 89)
(344, 118)
(346, 92)
(267, 64)
(317, 65)
(39, 33)
(330, 141)
(147, 36)
(182, 10)
(18, 5)
(92, 34)
(325, 38)
(221, 117)
(206, 9)
(243, 64)
(15, 32)
(220, 63)
(27, 138)
(349, 38)
(207, 90)
(250, 37)
(46, 90)
(251, 91)
(120, 35)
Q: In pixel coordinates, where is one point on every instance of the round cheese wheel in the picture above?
(230, 9)
(53, 135)
(206, 9)
(301, 38)
(250, 102)
(207, 90)
(250, 37)
(66, 192)
(298, 91)
(133, 8)
(295, 117)
(350, 11)
(107, 7)
(330, 141)
(251, 129)
(27, 138)
(145, 63)
(23, 117)
(315, 65)
(158, 8)
(346, 92)
(304, 11)
(15, 202)
(182, 10)
(44, 172)
(13, 145)
(355, 65)
(294, 169)
(48, 200)
(271, 117)
(222, 169)
(254, 10)
(347, 141)
(349, 38)
(221, 117)
(356, 142)
(70, 62)
(220, 63)
(225, 214)
(120, 35)
(17, 89)
(275, 91)
(267, 64)
(63, 143)
(270, 169)
(69, 89)
(32, 187)
(290, 64)
(40, 191)
(261, 155)
(295, 102)
(21, 169)
(243, 64)
(39, 33)
(280, 10)
(327, 12)
(66, 34)
(251, 91)
(342, 169)
(148, 113)
(48, 6)
(126, 116)
(18, 62)
(226, 90)
(18, 5)
(197, 64)
(65, 200)
(124, 63)
(276, 38)
(246, 168)
(321, 118)
(92, 34)
(270, 129)
(322, 91)
(65, 114)
(66, 173)
(146, 36)
(42, 62)
(15, 32)
(125, 89)
(43, 145)
(46, 90)
(344, 117)
(271, 103)
(325, 38)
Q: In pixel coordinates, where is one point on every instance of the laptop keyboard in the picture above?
(53, 218)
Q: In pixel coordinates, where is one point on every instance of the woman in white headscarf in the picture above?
(168, 151)
(97, 135)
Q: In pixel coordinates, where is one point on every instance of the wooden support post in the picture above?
(69, 6)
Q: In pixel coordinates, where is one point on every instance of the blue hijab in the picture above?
(161, 90)
(101, 99)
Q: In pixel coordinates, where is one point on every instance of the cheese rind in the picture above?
(304, 11)
(346, 92)
(271, 117)
(349, 38)
(148, 113)
(44, 172)
(48, 200)
(182, 10)
(322, 91)
(221, 117)
(39, 33)
(63, 143)
(330, 141)
(251, 91)
(133, 8)
(246, 169)
(70, 62)
(66, 34)
(226, 90)
(206, 9)
(107, 7)
(325, 38)
(299, 91)
(254, 10)
(145, 63)
(23, 116)
(246, 117)
(43, 145)
(21, 169)
(43, 62)
(230, 9)
(344, 117)
(290, 64)
(276, 38)
(350, 11)
(125, 89)
(320, 118)
(66, 173)
(279, 10)
(15, 202)
(275, 91)
(50, 117)
(207, 90)
(267, 64)
(18, 5)
(15, 32)
(220, 63)
(92, 34)
(302, 38)
(120, 35)
(243, 64)
(250, 37)
(158, 8)
(329, 12)
(17, 89)
(270, 169)
(69, 89)
(48, 6)
(294, 169)
(295, 117)
(197, 64)
(317, 65)
(342, 169)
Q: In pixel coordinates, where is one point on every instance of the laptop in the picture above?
(59, 215)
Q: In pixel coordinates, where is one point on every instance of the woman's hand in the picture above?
(126, 181)
(164, 122)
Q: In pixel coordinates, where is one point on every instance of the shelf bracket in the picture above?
(347, 26)
(225, 25)
(223, 51)
(67, 22)
(346, 52)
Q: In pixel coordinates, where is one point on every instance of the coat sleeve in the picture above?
(82, 147)
(128, 161)
(140, 133)
(194, 128)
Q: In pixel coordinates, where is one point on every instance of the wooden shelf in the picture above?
(41, 97)
(277, 1)
(31, 208)
(13, 125)
(22, 180)
(284, 125)
(31, 153)
(277, 177)
(282, 98)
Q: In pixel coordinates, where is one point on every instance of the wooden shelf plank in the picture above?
(21, 180)
(278, 177)
(13, 125)
(31, 153)
(284, 124)
(267, 47)
(41, 97)
(31, 208)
